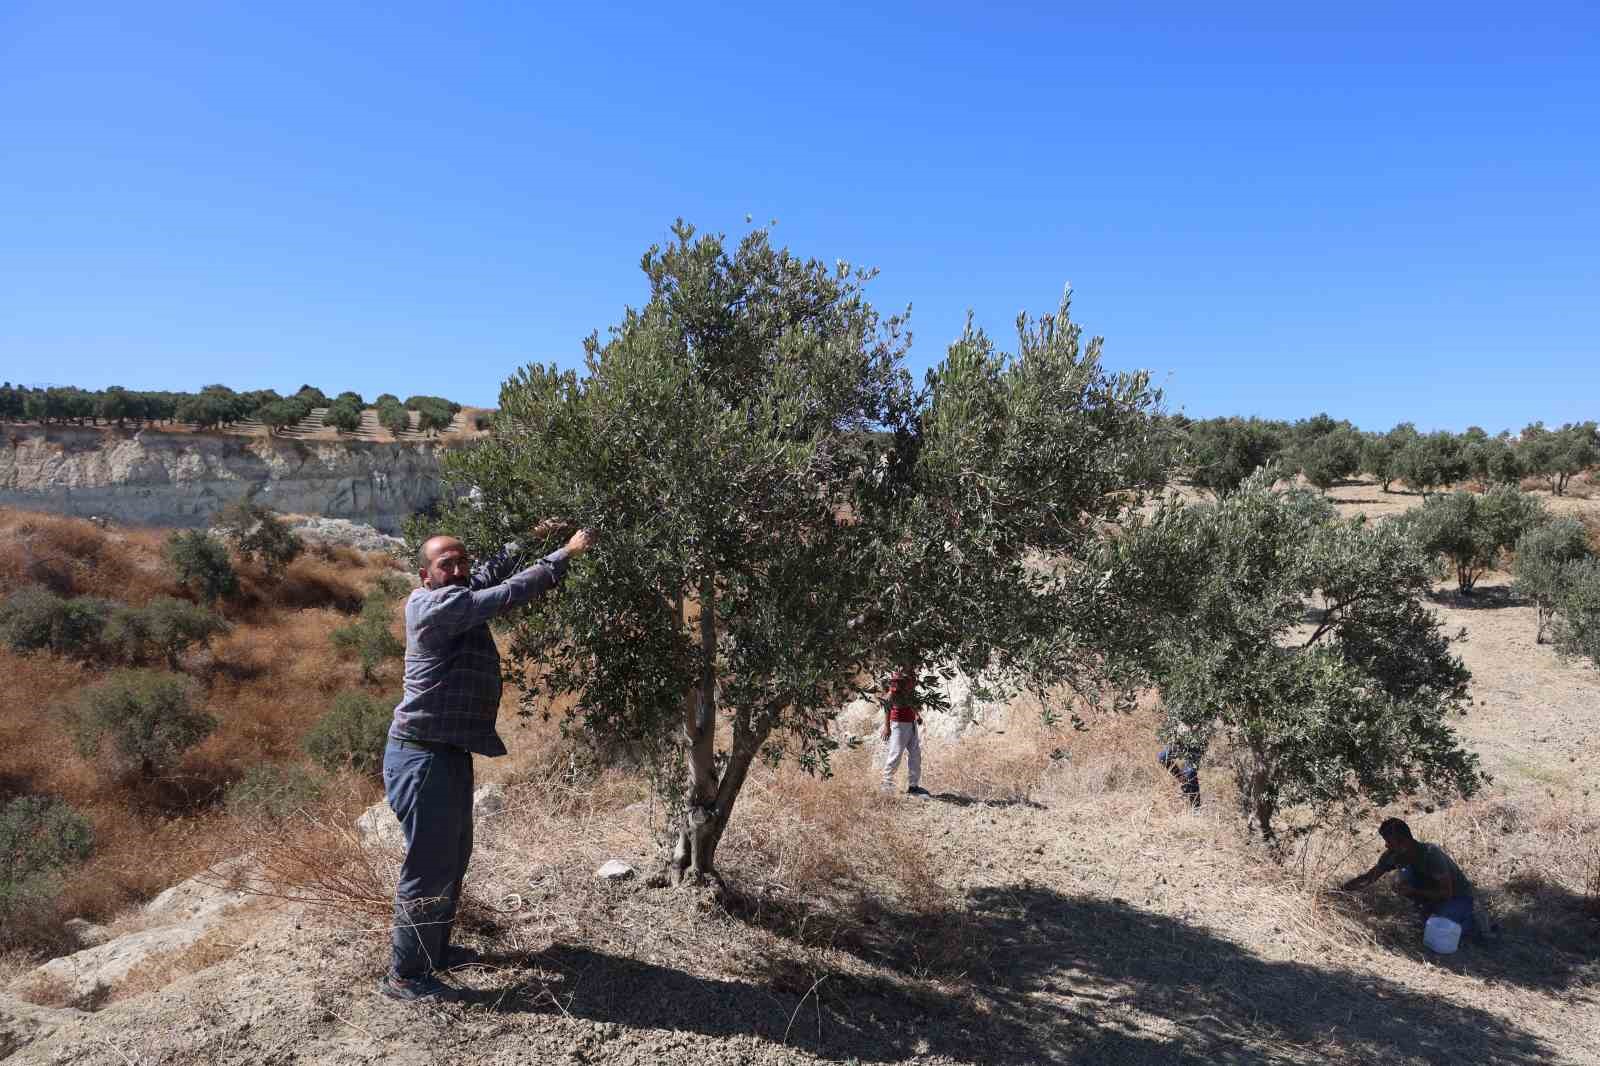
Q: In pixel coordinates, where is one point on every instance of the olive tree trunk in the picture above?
(711, 797)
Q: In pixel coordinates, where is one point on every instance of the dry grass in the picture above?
(76, 557)
(267, 681)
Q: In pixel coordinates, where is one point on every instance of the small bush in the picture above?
(392, 586)
(39, 838)
(165, 628)
(200, 562)
(35, 619)
(369, 636)
(273, 793)
(148, 716)
(352, 734)
(258, 534)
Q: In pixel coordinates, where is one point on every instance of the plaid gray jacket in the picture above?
(452, 681)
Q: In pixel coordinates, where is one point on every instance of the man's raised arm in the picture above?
(460, 609)
(503, 563)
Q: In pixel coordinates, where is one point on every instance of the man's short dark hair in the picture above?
(1395, 829)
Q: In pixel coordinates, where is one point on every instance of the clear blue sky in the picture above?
(1385, 211)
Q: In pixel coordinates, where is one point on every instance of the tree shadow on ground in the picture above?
(1483, 597)
(1045, 978)
(959, 800)
(1540, 936)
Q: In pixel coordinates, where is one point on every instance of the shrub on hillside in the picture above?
(1471, 531)
(370, 637)
(40, 836)
(258, 534)
(148, 716)
(164, 628)
(200, 563)
(352, 734)
(273, 793)
(35, 619)
(392, 586)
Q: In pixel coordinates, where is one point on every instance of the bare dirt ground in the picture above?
(1055, 902)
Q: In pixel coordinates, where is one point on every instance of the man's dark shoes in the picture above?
(916, 790)
(417, 989)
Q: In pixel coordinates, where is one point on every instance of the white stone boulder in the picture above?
(380, 828)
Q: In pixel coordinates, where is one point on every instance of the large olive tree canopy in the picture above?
(784, 513)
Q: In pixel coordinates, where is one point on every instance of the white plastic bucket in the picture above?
(1441, 935)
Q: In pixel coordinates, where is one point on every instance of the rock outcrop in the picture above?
(184, 479)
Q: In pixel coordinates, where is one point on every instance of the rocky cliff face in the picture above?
(182, 479)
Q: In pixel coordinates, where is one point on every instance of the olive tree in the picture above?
(257, 532)
(1380, 452)
(1493, 461)
(1558, 455)
(783, 512)
(1576, 625)
(1299, 642)
(1431, 462)
(1543, 567)
(1222, 452)
(1471, 531)
(1329, 458)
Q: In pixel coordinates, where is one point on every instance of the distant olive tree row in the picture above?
(217, 406)
(1220, 453)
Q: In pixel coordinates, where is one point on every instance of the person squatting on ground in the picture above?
(1428, 877)
(1185, 772)
(900, 721)
(445, 716)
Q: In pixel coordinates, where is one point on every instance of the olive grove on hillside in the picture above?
(782, 512)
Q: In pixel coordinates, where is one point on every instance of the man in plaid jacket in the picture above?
(446, 715)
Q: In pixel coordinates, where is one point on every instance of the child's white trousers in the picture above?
(903, 740)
